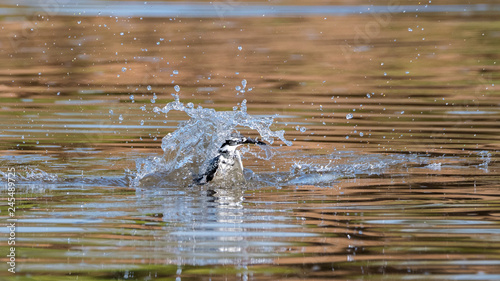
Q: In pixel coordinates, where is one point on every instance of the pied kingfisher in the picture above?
(227, 165)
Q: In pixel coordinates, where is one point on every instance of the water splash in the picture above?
(188, 149)
(320, 173)
(30, 175)
(485, 159)
(434, 166)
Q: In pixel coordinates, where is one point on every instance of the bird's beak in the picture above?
(254, 141)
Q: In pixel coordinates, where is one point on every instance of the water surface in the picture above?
(392, 172)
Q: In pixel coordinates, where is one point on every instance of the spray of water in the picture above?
(188, 149)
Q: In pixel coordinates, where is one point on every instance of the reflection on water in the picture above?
(393, 172)
(229, 9)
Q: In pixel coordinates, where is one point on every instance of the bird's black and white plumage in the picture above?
(227, 165)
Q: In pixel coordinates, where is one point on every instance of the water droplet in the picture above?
(142, 122)
(124, 69)
(244, 106)
(237, 88)
(175, 72)
(120, 118)
(58, 93)
(177, 88)
(361, 134)
(410, 30)
(111, 112)
(240, 48)
(149, 87)
(121, 33)
(244, 83)
(349, 116)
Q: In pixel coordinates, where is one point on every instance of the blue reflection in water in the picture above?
(221, 9)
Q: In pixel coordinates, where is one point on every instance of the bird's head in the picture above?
(234, 141)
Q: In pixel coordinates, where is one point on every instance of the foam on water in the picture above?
(188, 149)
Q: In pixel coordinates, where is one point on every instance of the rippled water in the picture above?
(392, 113)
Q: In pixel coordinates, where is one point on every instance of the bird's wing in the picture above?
(210, 172)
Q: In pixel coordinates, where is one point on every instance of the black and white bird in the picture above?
(227, 165)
